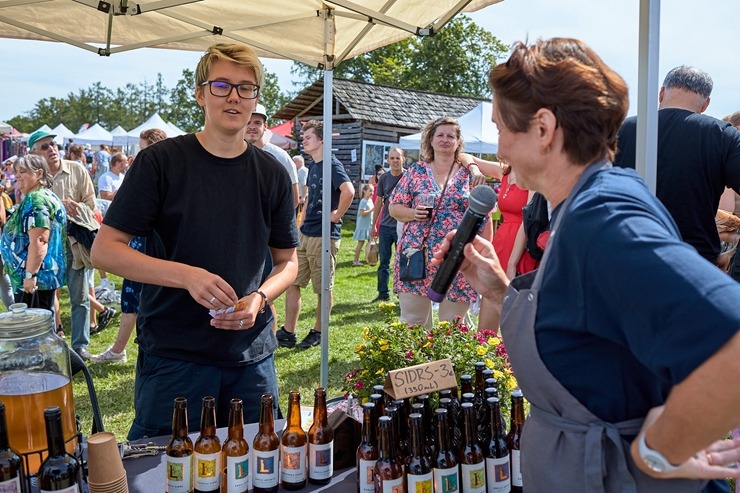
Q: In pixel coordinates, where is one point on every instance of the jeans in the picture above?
(79, 300)
(387, 238)
(159, 380)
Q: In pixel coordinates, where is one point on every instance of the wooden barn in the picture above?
(369, 119)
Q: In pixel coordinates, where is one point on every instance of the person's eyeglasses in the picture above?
(222, 89)
(45, 147)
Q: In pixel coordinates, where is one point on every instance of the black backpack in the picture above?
(536, 221)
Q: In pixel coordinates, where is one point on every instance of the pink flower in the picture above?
(410, 354)
(359, 385)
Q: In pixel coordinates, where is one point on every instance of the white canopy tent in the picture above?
(478, 132)
(5, 128)
(154, 121)
(173, 130)
(320, 33)
(120, 136)
(95, 135)
(63, 134)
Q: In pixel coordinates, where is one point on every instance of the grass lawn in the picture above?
(297, 369)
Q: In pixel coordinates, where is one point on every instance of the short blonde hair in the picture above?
(238, 53)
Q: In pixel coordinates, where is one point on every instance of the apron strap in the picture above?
(599, 436)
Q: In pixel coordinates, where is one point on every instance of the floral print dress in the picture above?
(447, 215)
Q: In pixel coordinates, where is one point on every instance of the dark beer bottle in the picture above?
(60, 470)
(11, 467)
(493, 392)
(466, 384)
(367, 452)
(293, 447)
(444, 464)
(179, 451)
(379, 402)
(235, 478)
(513, 439)
(419, 476)
(266, 451)
(207, 450)
(471, 460)
(498, 474)
(388, 470)
(403, 424)
(320, 443)
(480, 383)
(401, 454)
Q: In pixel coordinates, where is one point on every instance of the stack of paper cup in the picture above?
(105, 472)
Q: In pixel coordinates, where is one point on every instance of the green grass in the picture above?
(354, 289)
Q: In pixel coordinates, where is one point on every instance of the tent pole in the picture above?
(647, 95)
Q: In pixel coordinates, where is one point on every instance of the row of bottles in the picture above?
(286, 462)
(432, 461)
(60, 471)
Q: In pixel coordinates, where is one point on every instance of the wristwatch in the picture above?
(31, 275)
(652, 458)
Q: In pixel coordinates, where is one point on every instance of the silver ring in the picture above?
(212, 300)
(241, 323)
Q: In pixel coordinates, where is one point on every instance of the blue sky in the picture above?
(703, 34)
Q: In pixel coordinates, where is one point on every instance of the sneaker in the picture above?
(110, 356)
(313, 338)
(356, 263)
(104, 319)
(285, 338)
(84, 353)
(382, 297)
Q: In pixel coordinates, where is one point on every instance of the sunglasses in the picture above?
(45, 147)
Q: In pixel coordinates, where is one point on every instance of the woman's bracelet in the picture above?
(265, 300)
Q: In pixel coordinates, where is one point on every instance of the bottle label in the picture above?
(321, 460)
(420, 483)
(393, 485)
(11, 485)
(446, 480)
(207, 471)
(366, 475)
(179, 474)
(516, 468)
(498, 475)
(70, 489)
(265, 468)
(293, 466)
(473, 477)
(237, 474)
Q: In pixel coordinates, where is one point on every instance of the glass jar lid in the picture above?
(21, 321)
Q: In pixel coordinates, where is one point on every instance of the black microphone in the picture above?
(480, 204)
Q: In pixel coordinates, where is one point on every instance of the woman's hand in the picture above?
(714, 462)
(30, 285)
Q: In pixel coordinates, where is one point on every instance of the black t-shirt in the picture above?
(698, 156)
(210, 212)
(386, 183)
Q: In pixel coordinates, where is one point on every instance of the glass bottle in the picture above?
(293, 447)
(513, 439)
(470, 457)
(480, 384)
(379, 402)
(401, 454)
(11, 467)
(403, 424)
(388, 476)
(444, 464)
(235, 478)
(179, 451)
(429, 444)
(320, 443)
(266, 451)
(367, 452)
(493, 392)
(498, 474)
(379, 389)
(60, 471)
(466, 384)
(207, 450)
(419, 475)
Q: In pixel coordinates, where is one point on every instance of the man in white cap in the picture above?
(256, 133)
(73, 185)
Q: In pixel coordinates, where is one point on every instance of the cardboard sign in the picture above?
(420, 379)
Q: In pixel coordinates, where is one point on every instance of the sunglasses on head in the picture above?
(45, 147)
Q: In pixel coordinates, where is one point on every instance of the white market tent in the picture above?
(63, 134)
(5, 128)
(174, 130)
(319, 33)
(154, 121)
(95, 135)
(120, 136)
(478, 132)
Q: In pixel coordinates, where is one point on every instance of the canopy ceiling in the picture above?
(292, 29)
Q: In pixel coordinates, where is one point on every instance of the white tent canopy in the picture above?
(154, 121)
(5, 128)
(120, 136)
(173, 130)
(478, 132)
(95, 135)
(63, 134)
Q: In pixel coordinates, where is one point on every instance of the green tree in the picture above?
(455, 60)
(182, 109)
(271, 96)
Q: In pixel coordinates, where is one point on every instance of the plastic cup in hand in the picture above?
(426, 202)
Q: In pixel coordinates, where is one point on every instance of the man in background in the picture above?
(387, 234)
(698, 156)
(302, 172)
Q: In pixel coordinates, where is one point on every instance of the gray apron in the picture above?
(564, 446)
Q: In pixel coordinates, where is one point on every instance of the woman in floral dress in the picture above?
(441, 173)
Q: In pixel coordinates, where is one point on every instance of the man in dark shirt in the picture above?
(387, 235)
(698, 156)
